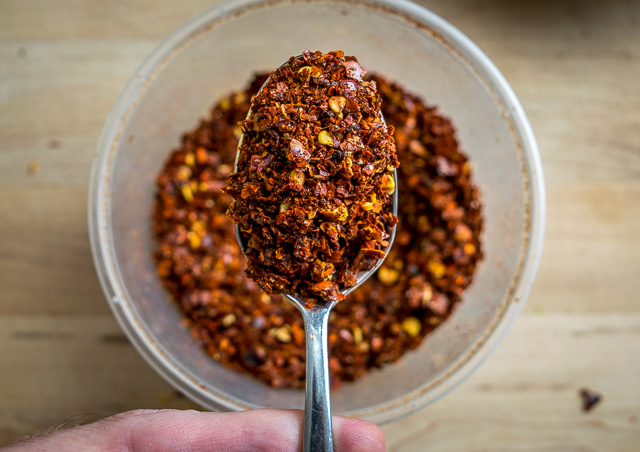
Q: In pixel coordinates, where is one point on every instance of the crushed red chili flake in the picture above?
(589, 399)
(432, 260)
(313, 191)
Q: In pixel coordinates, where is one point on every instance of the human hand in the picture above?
(194, 431)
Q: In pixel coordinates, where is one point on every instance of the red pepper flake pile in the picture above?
(313, 191)
(431, 261)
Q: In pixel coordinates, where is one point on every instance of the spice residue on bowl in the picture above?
(431, 262)
(313, 191)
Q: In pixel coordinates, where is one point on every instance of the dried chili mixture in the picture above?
(431, 262)
(313, 191)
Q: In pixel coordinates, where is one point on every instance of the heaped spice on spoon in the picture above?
(314, 186)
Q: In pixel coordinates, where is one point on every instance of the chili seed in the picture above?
(183, 173)
(357, 334)
(388, 276)
(388, 184)
(228, 320)
(282, 334)
(194, 240)
(411, 326)
(187, 194)
(325, 138)
(436, 268)
(337, 103)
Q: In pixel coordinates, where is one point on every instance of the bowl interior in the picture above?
(217, 53)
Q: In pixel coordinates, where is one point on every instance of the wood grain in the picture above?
(574, 65)
(526, 396)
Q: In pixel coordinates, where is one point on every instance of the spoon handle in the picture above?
(318, 436)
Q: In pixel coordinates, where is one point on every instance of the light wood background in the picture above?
(574, 65)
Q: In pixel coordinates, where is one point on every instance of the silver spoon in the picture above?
(318, 435)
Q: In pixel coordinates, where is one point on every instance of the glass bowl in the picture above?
(217, 52)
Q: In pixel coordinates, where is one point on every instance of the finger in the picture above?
(192, 431)
(268, 430)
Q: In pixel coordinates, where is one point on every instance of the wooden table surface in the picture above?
(576, 69)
